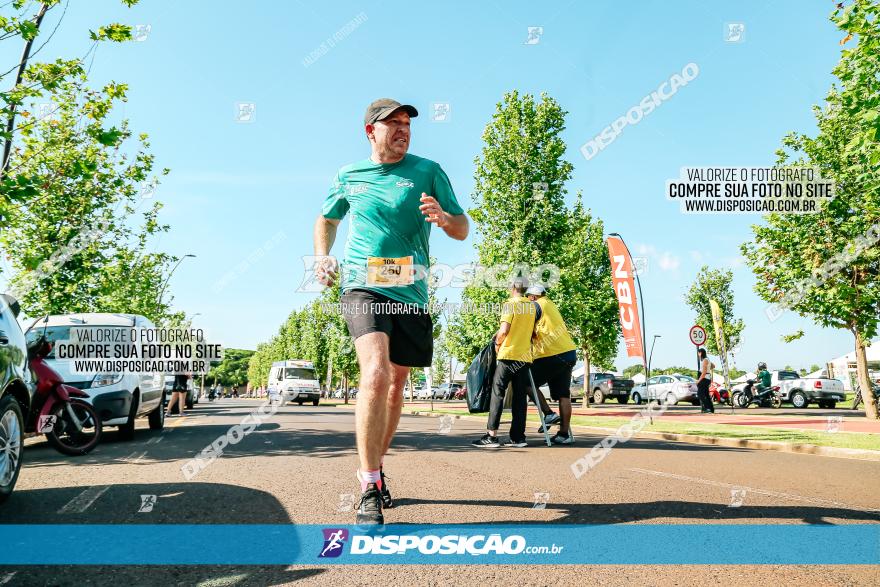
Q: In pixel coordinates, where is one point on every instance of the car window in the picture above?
(784, 375)
(666, 379)
(653, 380)
(686, 378)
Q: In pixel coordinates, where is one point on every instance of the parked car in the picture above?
(608, 385)
(119, 398)
(669, 389)
(447, 390)
(16, 394)
(801, 391)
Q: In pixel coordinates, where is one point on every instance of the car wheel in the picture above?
(623, 399)
(126, 431)
(315, 402)
(799, 400)
(11, 441)
(598, 396)
(300, 403)
(671, 400)
(157, 416)
(637, 399)
(832, 405)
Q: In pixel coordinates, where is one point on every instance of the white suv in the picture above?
(119, 398)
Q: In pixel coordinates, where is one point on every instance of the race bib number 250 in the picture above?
(390, 272)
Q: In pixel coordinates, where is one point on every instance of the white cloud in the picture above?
(668, 261)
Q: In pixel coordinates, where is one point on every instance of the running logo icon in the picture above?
(334, 540)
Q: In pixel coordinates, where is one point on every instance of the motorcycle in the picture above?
(767, 398)
(875, 389)
(719, 394)
(211, 395)
(71, 425)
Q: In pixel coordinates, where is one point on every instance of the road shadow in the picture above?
(624, 513)
(178, 575)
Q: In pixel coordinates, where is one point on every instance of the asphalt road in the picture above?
(298, 467)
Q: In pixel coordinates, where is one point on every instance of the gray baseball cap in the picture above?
(536, 290)
(382, 108)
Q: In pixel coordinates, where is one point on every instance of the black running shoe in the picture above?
(387, 502)
(486, 441)
(370, 509)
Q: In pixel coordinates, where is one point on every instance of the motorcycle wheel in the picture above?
(775, 402)
(64, 436)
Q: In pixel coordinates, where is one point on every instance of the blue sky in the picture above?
(235, 185)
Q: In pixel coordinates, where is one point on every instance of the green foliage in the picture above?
(826, 266)
(520, 214)
(715, 284)
(585, 295)
(76, 246)
(232, 370)
(628, 372)
(312, 333)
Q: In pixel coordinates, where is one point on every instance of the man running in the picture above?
(554, 358)
(393, 198)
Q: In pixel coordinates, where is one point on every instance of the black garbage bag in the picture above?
(479, 379)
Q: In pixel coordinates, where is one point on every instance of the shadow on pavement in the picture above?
(175, 503)
(622, 513)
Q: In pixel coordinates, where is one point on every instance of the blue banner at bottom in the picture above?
(144, 544)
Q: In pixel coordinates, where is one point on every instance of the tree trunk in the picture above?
(22, 66)
(345, 386)
(864, 380)
(586, 401)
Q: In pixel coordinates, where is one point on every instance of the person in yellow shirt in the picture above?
(554, 358)
(513, 346)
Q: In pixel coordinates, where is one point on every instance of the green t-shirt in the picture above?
(765, 377)
(386, 223)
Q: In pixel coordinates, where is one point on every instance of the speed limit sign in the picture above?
(697, 335)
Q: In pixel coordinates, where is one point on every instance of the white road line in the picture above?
(84, 500)
(788, 496)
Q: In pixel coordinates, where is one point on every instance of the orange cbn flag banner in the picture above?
(624, 286)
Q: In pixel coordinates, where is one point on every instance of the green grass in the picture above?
(790, 435)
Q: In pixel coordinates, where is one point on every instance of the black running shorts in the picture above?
(555, 371)
(408, 326)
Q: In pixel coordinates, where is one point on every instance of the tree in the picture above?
(633, 370)
(715, 284)
(75, 247)
(519, 210)
(826, 266)
(31, 81)
(440, 364)
(233, 369)
(587, 300)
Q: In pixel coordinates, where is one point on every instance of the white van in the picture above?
(119, 398)
(294, 381)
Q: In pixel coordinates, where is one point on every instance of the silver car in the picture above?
(669, 389)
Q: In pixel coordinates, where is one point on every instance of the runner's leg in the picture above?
(371, 410)
(395, 403)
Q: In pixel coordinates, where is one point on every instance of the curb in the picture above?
(808, 449)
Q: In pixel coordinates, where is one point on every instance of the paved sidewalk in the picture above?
(850, 421)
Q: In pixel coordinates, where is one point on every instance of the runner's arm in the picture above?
(326, 267)
(325, 234)
(457, 227)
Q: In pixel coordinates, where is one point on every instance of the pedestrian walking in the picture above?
(703, 383)
(178, 394)
(393, 198)
(513, 346)
(554, 357)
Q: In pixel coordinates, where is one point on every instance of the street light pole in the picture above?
(167, 279)
(650, 356)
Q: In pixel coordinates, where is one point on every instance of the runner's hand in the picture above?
(326, 269)
(433, 212)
